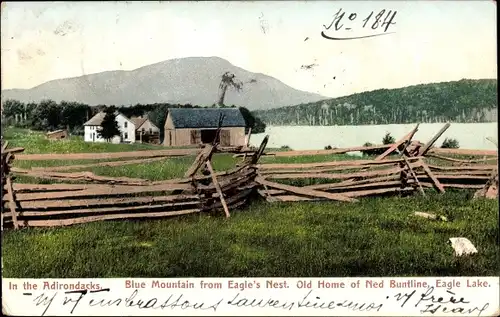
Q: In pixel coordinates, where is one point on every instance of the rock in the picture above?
(430, 216)
(426, 215)
(462, 246)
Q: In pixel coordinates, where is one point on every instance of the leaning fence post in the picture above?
(434, 179)
(12, 202)
(6, 157)
(423, 150)
(217, 187)
(407, 138)
(255, 157)
(413, 175)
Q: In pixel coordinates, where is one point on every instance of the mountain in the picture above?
(460, 101)
(193, 80)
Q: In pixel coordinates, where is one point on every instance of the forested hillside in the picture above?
(461, 101)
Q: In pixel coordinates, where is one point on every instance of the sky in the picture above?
(429, 41)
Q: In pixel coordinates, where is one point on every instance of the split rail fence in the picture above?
(405, 167)
(98, 198)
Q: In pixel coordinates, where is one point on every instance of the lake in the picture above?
(469, 135)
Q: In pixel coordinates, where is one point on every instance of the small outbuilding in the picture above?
(196, 126)
(145, 130)
(57, 135)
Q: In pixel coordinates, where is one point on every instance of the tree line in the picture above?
(464, 101)
(49, 115)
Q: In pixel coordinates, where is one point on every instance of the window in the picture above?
(126, 135)
(150, 130)
(125, 126)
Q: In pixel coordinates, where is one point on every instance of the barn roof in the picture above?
(206, 117)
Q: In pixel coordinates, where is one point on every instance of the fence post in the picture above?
(12, 202)
(217, 187)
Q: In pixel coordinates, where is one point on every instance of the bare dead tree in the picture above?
(228, 80)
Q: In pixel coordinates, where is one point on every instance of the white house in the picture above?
(131, 130)
(126, 126)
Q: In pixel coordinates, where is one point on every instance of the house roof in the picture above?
(206, 117)
(138, 121)
(97, 119)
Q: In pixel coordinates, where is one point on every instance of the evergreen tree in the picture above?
(109, 126)
(252, 121)
(388, 139)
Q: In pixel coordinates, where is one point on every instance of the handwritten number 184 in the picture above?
(388, 20)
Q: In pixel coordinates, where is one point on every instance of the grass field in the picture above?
(373, 237)
(35, 142)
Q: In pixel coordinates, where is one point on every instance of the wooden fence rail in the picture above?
(405, 167)
(108, 198)
(413, 169)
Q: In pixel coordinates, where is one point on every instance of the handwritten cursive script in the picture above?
(307, 301)
(375, 21)
(428, 302)
(172, 302)
(73, 299)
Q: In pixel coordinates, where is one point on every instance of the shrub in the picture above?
(371, 152)
(450, 143)
(328, 147)
(388, 139)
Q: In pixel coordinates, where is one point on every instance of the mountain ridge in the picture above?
(192, 80)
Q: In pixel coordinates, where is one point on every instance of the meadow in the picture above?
(373, 237)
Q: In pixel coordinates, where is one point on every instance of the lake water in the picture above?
(469, 135)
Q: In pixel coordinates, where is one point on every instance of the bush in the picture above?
(388, 139)
(328, 147)
(449, 143)
(371, 152)
(286, 147)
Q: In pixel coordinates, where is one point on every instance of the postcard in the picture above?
(249, 158)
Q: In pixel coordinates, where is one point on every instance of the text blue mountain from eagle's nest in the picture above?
(191, 80)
